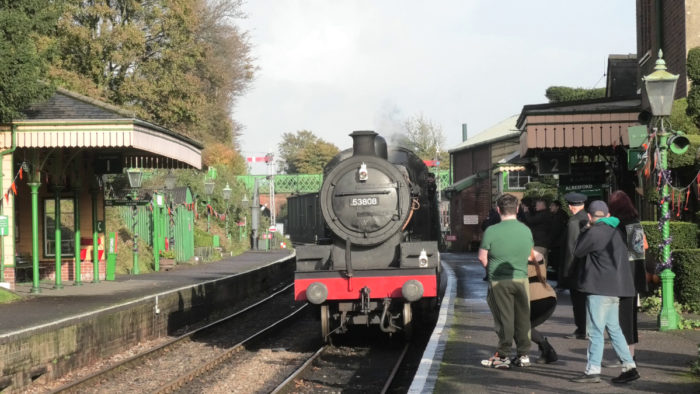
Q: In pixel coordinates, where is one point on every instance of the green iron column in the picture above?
(57, 235)
(156, 231)
(76, 205)
(135, 237)
(668, 317)
(35, 236)
(95, 236)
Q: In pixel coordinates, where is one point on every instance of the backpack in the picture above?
(636, 241)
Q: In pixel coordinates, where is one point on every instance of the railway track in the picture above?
(355, 369)
(184, 358)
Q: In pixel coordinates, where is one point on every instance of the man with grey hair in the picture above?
(605, 276)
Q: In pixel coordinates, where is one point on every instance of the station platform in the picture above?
(452, 361)
(49, 334)
(53, 305)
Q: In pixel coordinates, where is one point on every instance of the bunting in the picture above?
(678, 197)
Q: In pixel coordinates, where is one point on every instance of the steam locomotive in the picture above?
(376, 261)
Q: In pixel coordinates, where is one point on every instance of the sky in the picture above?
(335, 66)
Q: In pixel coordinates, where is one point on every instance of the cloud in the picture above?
(337, 66)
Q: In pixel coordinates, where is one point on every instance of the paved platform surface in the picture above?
(663, 358)
(56, 304)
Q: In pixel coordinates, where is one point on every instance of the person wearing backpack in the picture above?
(621, 207)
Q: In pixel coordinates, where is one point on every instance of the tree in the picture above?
(424, 138)
(24, 44)
(180, 64)
(693, 66)
(558, 94)
(304, 153)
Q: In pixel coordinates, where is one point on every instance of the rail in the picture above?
(115, 370)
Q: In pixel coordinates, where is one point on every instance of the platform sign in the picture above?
(272, 229)
(553, 163)
(4, 225)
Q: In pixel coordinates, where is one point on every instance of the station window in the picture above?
(517, 180)
(67, 221)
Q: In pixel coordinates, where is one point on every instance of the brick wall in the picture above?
(474, 200)
(675, 22)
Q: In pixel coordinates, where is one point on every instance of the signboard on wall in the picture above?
(553, 163)
(585, 174)
(471, 219)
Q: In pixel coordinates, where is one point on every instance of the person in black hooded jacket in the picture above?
(604, 277)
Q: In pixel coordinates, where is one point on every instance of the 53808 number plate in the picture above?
(361, 202)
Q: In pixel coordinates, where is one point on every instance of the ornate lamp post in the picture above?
(208, 190)
(170, 180)
(244, 205)
(135, 177)
(661, 87)
(227, 196)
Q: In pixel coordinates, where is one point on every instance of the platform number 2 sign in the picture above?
(553, 163)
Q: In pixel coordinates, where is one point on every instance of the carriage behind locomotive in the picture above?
(373, 227)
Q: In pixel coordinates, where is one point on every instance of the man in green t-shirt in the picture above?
(504, 251)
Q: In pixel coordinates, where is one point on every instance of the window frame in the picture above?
(516, 177)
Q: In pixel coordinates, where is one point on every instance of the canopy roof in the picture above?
(70, 120)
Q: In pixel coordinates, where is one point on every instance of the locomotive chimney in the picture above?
(380, 147)
(363, 143)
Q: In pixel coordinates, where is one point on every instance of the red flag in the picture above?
(7, 197)
(14, 188)
(20, 173)
(687, 197)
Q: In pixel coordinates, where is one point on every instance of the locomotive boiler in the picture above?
(380, 263)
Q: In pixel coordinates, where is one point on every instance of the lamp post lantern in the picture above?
(227, 196)
(660, 87)
(208, 190)
(170, 180)
(135, 176)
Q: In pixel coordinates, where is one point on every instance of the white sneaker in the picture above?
(521, 361)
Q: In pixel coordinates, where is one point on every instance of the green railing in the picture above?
(300, 183)
(303, 183)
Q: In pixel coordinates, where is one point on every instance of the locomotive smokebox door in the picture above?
(369, 209)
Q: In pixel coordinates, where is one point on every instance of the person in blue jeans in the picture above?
(604, 278)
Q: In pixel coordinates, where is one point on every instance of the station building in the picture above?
(53, 161)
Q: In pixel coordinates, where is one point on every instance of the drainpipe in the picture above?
(13, 131)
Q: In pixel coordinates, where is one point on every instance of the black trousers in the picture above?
(540, 311)
(628, 319)
(578, 301)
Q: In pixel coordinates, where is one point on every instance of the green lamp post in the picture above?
(208, 190)
(244, 206)
(660, 87)
(135, 177)
(227, 196)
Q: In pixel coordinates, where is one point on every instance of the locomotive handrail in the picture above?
(361, 192)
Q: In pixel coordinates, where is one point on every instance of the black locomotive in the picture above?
(380, 227)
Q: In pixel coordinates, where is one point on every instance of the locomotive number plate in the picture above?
(360, 202)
